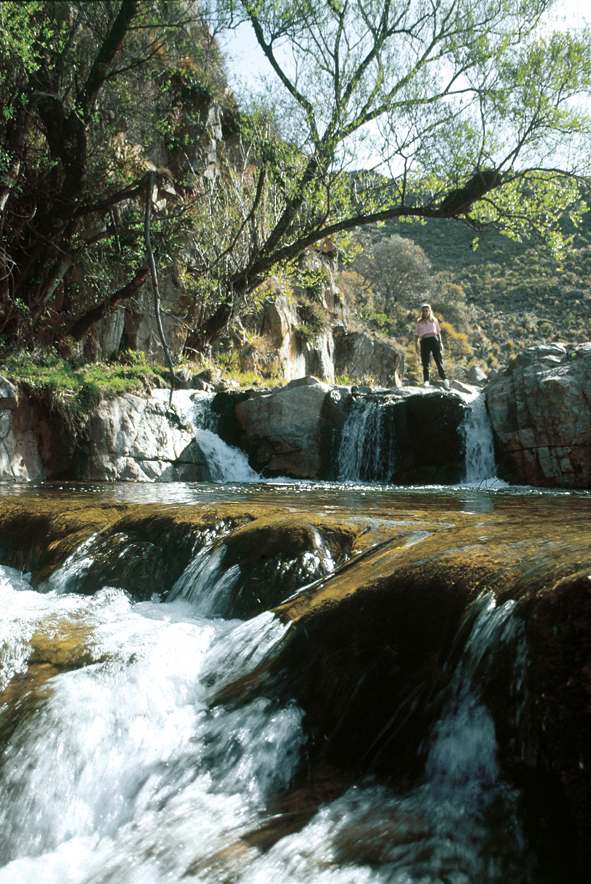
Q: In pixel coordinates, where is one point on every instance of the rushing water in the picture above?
(124, 772)
(118, 766)
(479, 444)
(368, 448)
(225, 463)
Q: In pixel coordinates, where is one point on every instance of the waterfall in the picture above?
(367, 447)
(205, 583)
(225, 463)
(480, 452)
(464, 744)
(120, 767)
(134, 775)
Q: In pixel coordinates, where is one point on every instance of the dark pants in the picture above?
(431, 345)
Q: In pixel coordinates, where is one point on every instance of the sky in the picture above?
(245, 60)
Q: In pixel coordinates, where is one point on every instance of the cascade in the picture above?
(325, 695)
(137, 778)
(367, 448)
(225, 463)
(369, 452)
(478, 437)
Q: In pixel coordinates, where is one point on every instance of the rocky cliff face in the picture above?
(540, 410)
(335, 351)
(125, 438)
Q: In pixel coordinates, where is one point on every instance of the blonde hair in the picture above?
(431, 315)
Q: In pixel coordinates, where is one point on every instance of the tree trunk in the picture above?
(83, 325)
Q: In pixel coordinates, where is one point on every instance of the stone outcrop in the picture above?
(125, 438)
(429, 445)
(359, 357)
(335, 351)
(540, 410)
(134, 326)
(290, 432)
(132, 437)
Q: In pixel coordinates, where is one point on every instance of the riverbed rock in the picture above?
(291, 432)
(540, 410)
(134, 437)
(372, 645)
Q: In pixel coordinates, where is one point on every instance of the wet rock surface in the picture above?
(378, 618)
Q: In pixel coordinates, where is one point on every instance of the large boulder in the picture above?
(134, 437)
(358, 356)
(289, 432)
(540, 410)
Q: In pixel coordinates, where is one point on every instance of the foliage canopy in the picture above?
(375, 109)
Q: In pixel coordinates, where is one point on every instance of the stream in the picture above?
(124, 762)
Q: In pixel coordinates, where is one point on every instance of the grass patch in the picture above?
(80, 386)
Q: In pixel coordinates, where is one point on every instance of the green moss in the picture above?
(77, 386)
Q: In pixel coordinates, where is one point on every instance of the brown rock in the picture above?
(359, 357)
(283, 432)
(540, 410)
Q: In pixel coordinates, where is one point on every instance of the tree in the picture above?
(93, 97)
(470, 105)
(397, 269)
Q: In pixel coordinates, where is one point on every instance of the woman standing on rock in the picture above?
(428, 332)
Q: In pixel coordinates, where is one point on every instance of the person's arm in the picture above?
(440, 339)
(417, 339)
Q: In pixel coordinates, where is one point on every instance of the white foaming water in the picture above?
(204, 582)
(480, 449)
(437, 832)
(362, 444)
(123, 772)
(225, 463)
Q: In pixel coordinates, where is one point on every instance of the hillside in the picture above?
(515, 294)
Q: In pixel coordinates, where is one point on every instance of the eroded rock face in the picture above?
(132, 437)
(35, 443)
(289, 432)
(358, 356)
(125, 438)
(540, 410)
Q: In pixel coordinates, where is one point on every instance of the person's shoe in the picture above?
(426, 384)
(446, 384)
